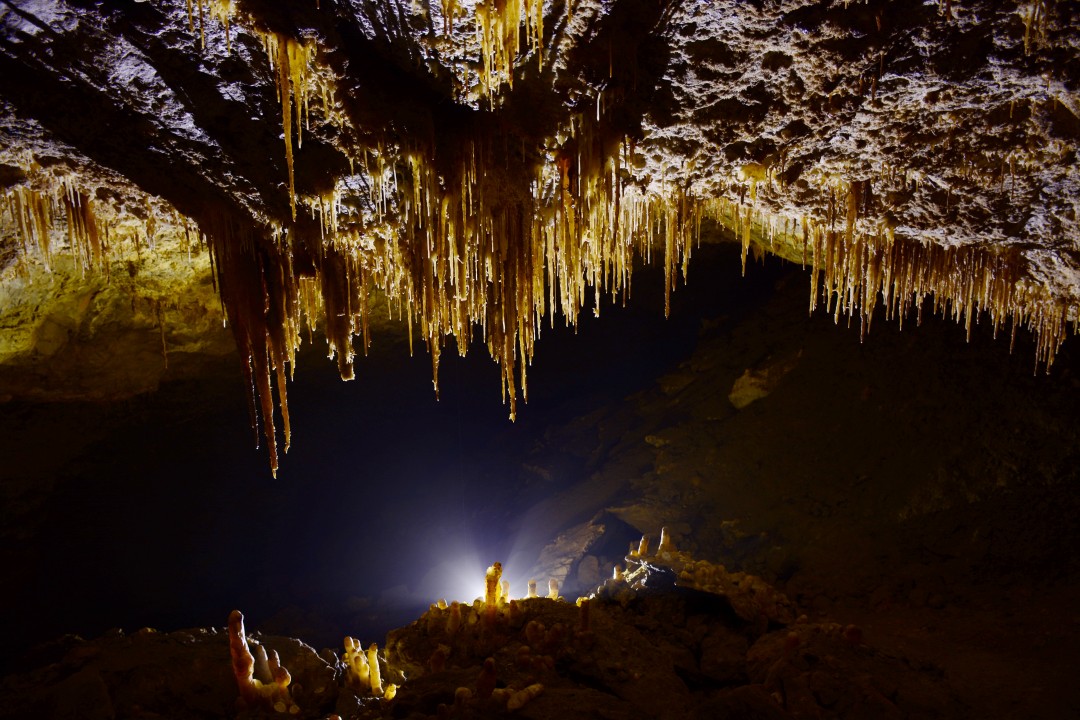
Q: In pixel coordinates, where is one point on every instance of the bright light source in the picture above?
(459, 575)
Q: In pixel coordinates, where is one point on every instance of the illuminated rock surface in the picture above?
(488, 165)
(181, 179)
(639, 648)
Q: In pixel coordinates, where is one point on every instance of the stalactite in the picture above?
(469, 239)
(1034, 18)
(464, 250)
(279, 51)
(853, 266)
(464, 256)
(257, 288)
(83, 233)
(222, 10)
(499, 25)
(296, 81)
(450, 10)
(32, 215)
(55, 216)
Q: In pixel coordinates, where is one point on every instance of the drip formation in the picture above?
(478, 232)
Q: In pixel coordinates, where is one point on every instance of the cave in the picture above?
(331, 330)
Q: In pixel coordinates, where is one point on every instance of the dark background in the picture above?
(914, 471)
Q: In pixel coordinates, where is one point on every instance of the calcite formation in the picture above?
(645, 650)
(490, 165)
(751, 598)
(640, 647)
(271, 691)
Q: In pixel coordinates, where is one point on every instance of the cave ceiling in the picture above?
(474, 170)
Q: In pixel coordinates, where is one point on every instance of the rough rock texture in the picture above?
(64, 335)
(637, 648)
(487, 164)
(152, 674)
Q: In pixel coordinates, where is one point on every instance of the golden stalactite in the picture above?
(290, 60)
(472, 240)
(450, 10)
(31, 213)
(1034, 15)
(222, 10)
(299, 81)
(484, 251)
(498, 31)
(260, 295)
(857, 262)
(853, 270)
(49, 211)
(84, 235)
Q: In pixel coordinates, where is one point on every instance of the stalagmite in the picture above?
(520, 698)
(272, 694)
(358, 672)
(666, 546)
(492, 593)
(374, 672)
(485, 684)
(583, 604)
(492, 578)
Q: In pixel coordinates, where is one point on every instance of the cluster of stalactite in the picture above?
(858, 261)
(498, 28)
(475, 233)
(853, 272)
(53, 216)
(464, 258)
(31, 213)
(480, 240)
(35, 212)
(199, 12)
(471, 236)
